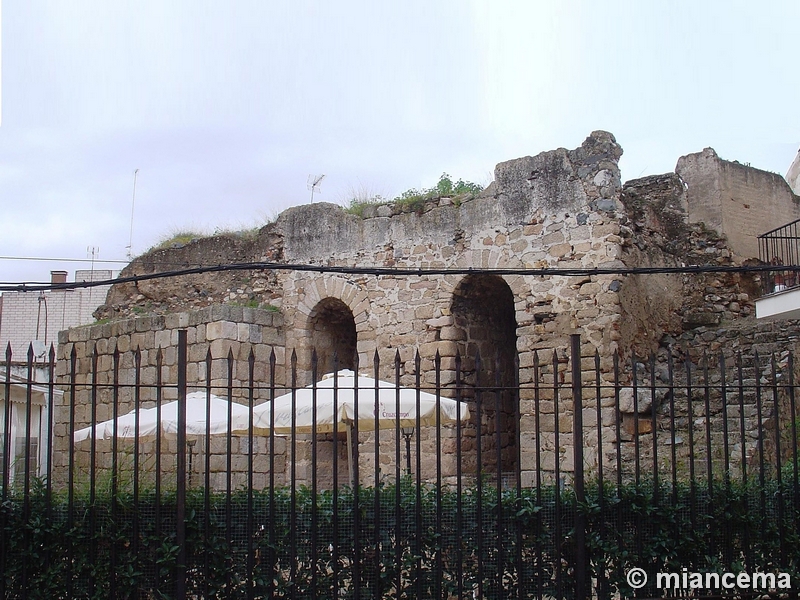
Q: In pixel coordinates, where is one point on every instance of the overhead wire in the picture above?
(395, 272)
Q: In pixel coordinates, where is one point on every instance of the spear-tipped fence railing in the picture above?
(612, 464)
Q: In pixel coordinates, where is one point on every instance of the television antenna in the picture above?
(129, 247)
(314, 182)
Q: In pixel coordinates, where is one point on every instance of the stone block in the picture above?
(177, 320)
(560, 250)
(221, 330)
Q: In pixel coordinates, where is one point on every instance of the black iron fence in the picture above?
(556, 486)
(780, 247)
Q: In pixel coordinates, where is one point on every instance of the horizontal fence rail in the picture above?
(466, 482)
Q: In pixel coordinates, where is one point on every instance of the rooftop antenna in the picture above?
(129, 247)
(314, 182)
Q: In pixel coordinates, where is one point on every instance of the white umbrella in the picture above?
(148, 424)
(344, 415)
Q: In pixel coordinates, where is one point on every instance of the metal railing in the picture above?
(607, 465)
(780, 247)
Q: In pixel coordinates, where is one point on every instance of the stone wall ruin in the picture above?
(563, 208)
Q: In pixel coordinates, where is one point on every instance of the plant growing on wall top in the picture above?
(414, 199)
(446, 188)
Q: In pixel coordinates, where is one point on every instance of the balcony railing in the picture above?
(780, 247)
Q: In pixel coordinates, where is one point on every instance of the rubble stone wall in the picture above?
(559, 209)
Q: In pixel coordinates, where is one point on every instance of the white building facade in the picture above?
(37, 317)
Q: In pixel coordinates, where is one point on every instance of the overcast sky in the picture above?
(226, 108)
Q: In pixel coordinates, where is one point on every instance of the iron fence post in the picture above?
(581, 562)
(180, 496)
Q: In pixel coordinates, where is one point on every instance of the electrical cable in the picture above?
(394, 272)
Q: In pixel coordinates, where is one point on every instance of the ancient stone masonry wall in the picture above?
(221, 330)
(561, 209)
(556, 209)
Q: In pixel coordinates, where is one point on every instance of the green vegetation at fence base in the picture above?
(501, 543)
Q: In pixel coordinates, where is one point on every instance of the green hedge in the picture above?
(113, 550)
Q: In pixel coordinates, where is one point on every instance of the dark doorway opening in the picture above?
(483, 309)
(333, 335)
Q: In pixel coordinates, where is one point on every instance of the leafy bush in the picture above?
(461, 190)
(432, 540)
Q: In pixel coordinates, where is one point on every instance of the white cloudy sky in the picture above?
(227, 107)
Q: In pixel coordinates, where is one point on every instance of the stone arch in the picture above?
(332, 329)
(328, 308)
(485, 322)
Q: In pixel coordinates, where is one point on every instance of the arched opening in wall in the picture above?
(485, 322)
(333, 334)
(332, 330)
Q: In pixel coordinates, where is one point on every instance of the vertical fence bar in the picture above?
(418, 490)
(459, 507)
(51, 366)
(778, 473)
(93, 462)
(157, 516)
(760, 441)
(654, 427)
(602, 580)
(377, 468)
(618, 438)
(557, 469)
(795, 441)
(398, 534)
(673, 439)
(273, 560)
(439, 558)
(251, 363)
(709, 457)
(7, 434)
(137, 398)
(726, 452)
(335, 492)
(114, 466)
(180, 494)
(498, 451)
(748, 563)
(636, 443)
(293, 559)
(26, 468)
(207, 481)
(229, 469)
(537, 429)
(581, 556)
(516, 398)
(6, 467)
(73, 359)
(356, 483)
(723, 388)
(479, 590)
(314, 470)
(690, 411)
(26, 492)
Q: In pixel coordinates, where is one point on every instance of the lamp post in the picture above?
(407, 433)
